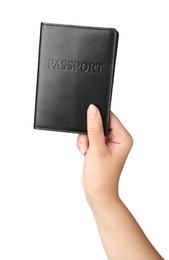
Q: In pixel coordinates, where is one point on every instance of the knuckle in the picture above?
(95, 130)
(129, 141)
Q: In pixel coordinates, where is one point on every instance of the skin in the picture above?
(104, 159)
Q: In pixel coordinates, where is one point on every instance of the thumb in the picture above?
(95, 129)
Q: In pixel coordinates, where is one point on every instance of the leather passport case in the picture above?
(75, 69)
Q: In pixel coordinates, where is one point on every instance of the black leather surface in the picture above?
(75, 69)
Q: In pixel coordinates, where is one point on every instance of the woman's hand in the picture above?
(104, 157)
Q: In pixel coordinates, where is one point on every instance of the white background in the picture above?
(43, 211)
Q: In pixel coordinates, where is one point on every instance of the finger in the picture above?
(95, 129)
(118, 131)
(82, 143)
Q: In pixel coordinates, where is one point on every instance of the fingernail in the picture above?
(92, 112)
(82, 149)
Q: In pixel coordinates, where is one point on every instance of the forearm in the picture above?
(121, 235)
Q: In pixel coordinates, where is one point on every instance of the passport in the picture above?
(76, 66)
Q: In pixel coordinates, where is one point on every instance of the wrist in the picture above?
(102, 204)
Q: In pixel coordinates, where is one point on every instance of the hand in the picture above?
(121, 235)
(104, 157)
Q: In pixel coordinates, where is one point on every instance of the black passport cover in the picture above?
(75, 69)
